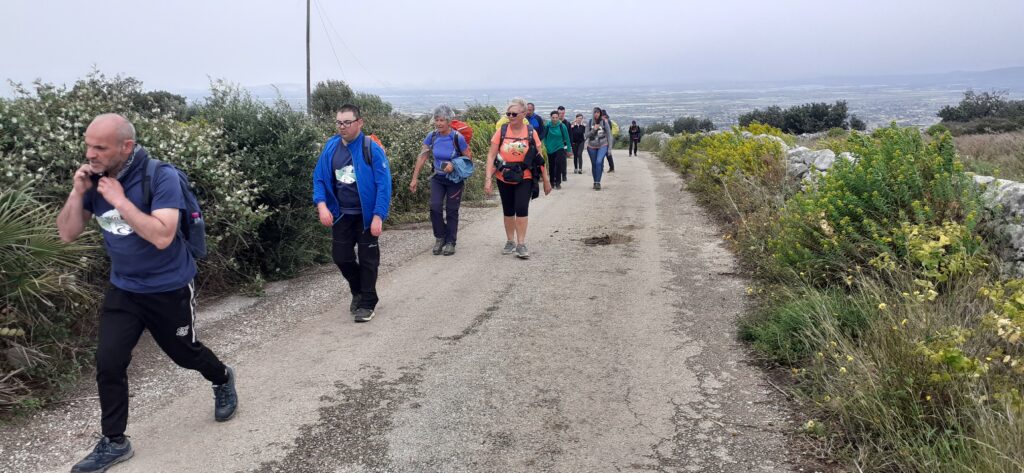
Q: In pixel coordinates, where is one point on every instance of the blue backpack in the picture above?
(191, 227)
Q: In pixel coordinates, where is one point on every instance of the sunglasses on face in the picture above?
(511, 114)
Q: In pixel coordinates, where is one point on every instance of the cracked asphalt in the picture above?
(613, 348)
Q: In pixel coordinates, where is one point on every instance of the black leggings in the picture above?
(633, 145)
(515, 198)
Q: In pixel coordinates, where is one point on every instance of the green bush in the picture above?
(690, 124)
(327, 97)
(44, 285)
(658, 126)
(848, 218)
(478, 112)
(806, 118)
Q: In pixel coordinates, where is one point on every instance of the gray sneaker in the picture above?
(438, 243)
(363, 315)
(522, 252)
(510, 247)
(449, 249)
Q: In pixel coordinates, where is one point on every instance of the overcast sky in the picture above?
(181, 44)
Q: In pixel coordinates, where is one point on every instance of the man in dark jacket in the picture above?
(577, 135)
(634, 138)
(535, 120)
(561, 116)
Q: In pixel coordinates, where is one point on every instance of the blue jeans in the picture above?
(597, 161)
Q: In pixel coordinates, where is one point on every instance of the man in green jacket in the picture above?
(557, 142)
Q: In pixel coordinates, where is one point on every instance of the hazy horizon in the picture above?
(411, 45)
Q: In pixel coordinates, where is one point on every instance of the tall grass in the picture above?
(902, 339)
(1000, 155)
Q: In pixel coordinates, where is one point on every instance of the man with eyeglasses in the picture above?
(352, 193)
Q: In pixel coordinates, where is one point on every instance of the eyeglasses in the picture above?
(345, 123)
(511, 114)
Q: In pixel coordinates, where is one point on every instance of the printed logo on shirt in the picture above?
(346, 175)
(112, 222)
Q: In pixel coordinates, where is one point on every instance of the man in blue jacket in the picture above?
(352, 192)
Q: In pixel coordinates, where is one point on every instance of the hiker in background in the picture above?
(138, 204)
(556, 141)
(611, 139)
(634, 138)
(445, 145)
(561, 117)
(352, 193)
(535, 120)
(577, 135)
(518, 148)
(598, 134)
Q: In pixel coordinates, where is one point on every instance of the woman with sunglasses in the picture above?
(515, 175)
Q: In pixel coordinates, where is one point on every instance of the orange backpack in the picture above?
(464, 129)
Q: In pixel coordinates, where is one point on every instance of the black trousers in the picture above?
(577, 156)
(445, 200)
(557, 170)
(170, 318)
(633, 144)
(609, 160)
(359, 268)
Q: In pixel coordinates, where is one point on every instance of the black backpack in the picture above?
(191, 226)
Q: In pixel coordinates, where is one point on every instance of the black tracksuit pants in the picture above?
(359, 268)
(170, 318)
(633, 145)
(577, 156)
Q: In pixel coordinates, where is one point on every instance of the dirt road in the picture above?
(612, 349)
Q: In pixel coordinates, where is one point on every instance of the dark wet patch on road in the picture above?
(352, 429)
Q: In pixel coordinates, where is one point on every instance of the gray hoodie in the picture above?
(603, 135)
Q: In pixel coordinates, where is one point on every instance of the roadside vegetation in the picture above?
(984, 112)
(876, 292)
(250, 163)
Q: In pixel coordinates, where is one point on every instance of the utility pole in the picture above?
(308, 93)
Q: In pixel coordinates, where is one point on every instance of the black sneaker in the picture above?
(354, 304)
(104, 455)
(449, 249)
(438, 243)
(597, 186)
(225, 399)
(363, 314)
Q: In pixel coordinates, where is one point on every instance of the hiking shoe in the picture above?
(355, 303)
(438, 243)
(449, 249)
(510, 247)
(225, 399)
(522, 252)
(104, 455)
(558, 186)
(363, 314)
(597, 186)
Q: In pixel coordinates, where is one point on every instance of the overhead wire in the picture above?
(354, 56)
(327, 33)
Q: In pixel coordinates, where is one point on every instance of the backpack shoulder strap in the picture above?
(504, 129)
(148, 176)
(368, 151)
(455, 142)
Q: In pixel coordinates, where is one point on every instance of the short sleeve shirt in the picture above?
(136, 265)
(444, 148)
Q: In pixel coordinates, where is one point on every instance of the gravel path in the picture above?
(612, 349)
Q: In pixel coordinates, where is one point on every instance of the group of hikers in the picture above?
(153, 230)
